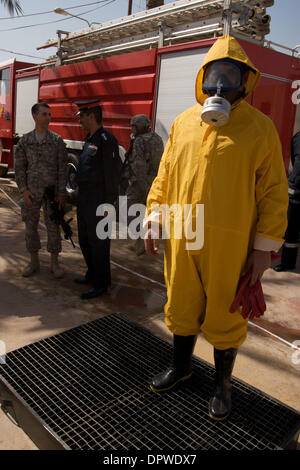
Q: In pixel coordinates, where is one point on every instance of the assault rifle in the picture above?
(58, 215)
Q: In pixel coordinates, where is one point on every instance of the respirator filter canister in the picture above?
(216, 111)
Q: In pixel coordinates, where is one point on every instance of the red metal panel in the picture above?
(6, 107)
(75, 132)
(123, 110)
(23, 65)
(7, 113)
(8, 155)
(273, 95)
(124, 84)
(114, 65)
(102, 88)
(269, 61)
(187, 46)
(69, 131)
(120, 110)
(29, 73)
(273, 98)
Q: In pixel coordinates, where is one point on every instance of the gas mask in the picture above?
(223, 81)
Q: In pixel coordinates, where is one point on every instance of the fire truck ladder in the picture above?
(181, 21)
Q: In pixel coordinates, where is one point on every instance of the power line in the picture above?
(56, 21)
(20, 53)
(50, 11)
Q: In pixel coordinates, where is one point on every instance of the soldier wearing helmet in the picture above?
(141, 165)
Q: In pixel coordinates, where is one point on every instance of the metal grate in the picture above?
(88, 387)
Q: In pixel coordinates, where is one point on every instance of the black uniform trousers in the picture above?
(291, 244)
(96, 252)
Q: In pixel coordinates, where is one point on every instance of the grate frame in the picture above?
(87, 388)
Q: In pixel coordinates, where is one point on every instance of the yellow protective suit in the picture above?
(237, 172)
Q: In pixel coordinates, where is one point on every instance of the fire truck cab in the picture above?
(12, 100)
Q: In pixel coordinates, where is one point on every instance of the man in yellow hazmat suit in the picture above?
(225, 155)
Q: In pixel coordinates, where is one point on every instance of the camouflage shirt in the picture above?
(39, 164)
(144, 159)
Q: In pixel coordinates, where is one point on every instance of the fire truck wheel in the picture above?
(72, 167)
(71, 185)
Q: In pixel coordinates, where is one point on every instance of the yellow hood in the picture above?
(227, 47)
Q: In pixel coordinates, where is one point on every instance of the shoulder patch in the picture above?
(93, 147)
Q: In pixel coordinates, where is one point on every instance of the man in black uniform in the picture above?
(97, 179)
(291, 244)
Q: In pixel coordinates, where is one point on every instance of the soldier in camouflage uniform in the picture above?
(40, 162)
(141, 165)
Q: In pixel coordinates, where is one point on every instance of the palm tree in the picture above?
(13, 6)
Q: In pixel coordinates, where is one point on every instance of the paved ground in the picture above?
(38, 307)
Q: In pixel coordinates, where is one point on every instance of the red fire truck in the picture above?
(145, 63)
(8, 71)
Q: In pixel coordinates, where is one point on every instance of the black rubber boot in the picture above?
(181, 369)
(220, 403)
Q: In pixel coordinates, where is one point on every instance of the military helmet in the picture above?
(141, 122)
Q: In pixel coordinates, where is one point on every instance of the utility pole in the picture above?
(60, 51)
(129, 7)
(227, 17)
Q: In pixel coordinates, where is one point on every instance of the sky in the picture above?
(16, 38)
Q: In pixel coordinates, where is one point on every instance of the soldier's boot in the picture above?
(33, 266)
(55, 268)
(181, 368)
(220, 403)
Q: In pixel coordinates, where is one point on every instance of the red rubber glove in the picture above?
(242, 297)
(251, 299)
(257, 301)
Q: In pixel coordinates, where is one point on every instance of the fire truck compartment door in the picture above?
(176, 87)
(26, 97)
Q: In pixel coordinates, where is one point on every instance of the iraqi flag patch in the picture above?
(93, 147)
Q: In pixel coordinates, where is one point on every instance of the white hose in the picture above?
(162, 285)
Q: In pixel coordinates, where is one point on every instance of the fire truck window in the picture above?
(4, 84)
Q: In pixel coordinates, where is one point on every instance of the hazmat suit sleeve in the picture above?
(271, 196)
(158, 191)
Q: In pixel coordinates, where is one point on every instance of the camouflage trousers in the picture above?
(136, 196)
(31, 217)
